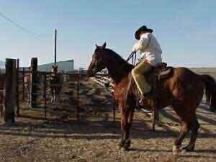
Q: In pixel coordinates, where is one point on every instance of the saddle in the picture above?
(154, 77)
(158, 73)
(163, 71)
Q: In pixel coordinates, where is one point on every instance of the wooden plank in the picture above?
(10, 91)
(33, 89)
(45, 95)
(17, 88)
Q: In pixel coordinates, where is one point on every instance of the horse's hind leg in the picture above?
(1, 110)
(51, 95)
(54, 96)
(194, 131)
(184, 131)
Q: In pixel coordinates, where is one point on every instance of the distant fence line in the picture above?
(40, 87)
(15, 86)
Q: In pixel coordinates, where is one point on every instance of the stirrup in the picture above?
(141, 100)
(149, 95)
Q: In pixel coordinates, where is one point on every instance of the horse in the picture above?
(2, 84)
(55, 84)
(182, 90)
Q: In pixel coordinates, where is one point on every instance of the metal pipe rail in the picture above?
(102, 79)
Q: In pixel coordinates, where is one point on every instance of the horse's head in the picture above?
(54, 69)
(98, 60)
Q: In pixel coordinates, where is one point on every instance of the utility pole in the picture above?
(55, 47)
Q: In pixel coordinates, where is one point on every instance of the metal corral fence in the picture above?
(34, 89)
(104, 80)
(28, 85)
(32, 86)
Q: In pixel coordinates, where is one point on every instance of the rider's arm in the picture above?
(141, 43)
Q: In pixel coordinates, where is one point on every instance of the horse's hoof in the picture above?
(120, 145)
(183, 151)
(126, 145)
(189, 148)
(175, 150)
(124, 149)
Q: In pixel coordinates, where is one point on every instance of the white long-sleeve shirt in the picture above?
(149, 48)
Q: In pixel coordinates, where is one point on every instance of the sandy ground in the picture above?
(62, 138)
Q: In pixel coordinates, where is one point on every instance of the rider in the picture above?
(151, 52)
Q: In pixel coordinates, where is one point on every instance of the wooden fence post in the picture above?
(10, 91)
(45, 94)
(23, 84)
(34, 82)
(114, 109)
(17, 87)
(78, 97)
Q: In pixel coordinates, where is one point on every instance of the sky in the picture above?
(185, 29)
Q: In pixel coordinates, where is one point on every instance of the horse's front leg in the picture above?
(52, 95)
(128, 128)
(58, 95)
(126, 121)
(155, 118)
(155, 114)
(123, 126)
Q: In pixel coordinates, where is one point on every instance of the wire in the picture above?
(19, 26)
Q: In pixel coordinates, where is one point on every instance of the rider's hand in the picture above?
(133, 49)
(133, 52)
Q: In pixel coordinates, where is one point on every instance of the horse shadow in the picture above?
(104, 128)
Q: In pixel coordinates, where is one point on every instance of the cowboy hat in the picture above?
(142, 29)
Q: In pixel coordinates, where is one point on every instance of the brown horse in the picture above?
(55, 84)
(182, 91)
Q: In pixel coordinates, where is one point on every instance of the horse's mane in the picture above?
(118, 67)
(123, 64)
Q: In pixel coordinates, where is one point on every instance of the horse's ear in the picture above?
(104, 45)
(96, 46)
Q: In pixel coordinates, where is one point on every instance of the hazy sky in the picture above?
(186, 29)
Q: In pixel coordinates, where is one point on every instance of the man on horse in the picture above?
(151, 52)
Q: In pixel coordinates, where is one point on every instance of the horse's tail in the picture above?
(210, 91)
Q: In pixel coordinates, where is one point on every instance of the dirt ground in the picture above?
(95, 137)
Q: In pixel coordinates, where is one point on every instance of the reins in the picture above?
(132, 56)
